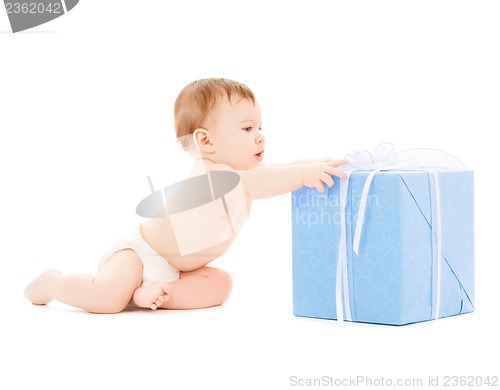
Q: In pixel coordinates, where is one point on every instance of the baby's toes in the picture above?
(156, 304)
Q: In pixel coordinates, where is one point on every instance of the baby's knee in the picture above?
(223, 283)
(106, 300)
(108, 305)
(225, 279)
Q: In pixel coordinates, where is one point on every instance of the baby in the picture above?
(218, 122)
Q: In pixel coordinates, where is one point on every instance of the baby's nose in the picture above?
(259, 138)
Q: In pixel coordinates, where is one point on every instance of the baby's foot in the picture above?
(37, 290)
(152, 296)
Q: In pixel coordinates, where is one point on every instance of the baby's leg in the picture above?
(204, 287)
(109, 291)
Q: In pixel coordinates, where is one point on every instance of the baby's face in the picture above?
(236, 131)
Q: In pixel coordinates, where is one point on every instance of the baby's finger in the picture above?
(319, 186)
(337, 163)
(336, 172)
(326, 178)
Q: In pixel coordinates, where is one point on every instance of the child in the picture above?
(218, 122)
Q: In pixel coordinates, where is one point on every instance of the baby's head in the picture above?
(219, 119)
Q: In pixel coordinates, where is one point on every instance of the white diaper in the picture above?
(156, 270)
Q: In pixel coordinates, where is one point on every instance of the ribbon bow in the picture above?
(386, 158)
(385, 155)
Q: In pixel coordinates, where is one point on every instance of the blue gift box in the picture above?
(392, 279)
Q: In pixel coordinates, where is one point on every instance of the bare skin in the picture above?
(235, 144)
(152, 296)
(110, 291)
(118, 282)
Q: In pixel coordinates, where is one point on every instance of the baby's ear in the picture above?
(202, 140)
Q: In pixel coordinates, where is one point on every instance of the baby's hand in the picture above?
(315, 174)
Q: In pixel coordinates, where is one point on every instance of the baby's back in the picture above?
(195, 221)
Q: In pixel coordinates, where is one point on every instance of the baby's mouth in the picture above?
(260, 154)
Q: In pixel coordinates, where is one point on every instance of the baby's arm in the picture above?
(270, 180)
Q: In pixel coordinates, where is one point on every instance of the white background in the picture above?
(86, 107)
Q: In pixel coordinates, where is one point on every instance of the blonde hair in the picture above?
(197, 100)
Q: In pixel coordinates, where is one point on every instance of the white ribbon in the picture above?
(342, 278)
(385, 159)
(437, 244)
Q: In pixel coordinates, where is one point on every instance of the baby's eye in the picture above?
(247, 128)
